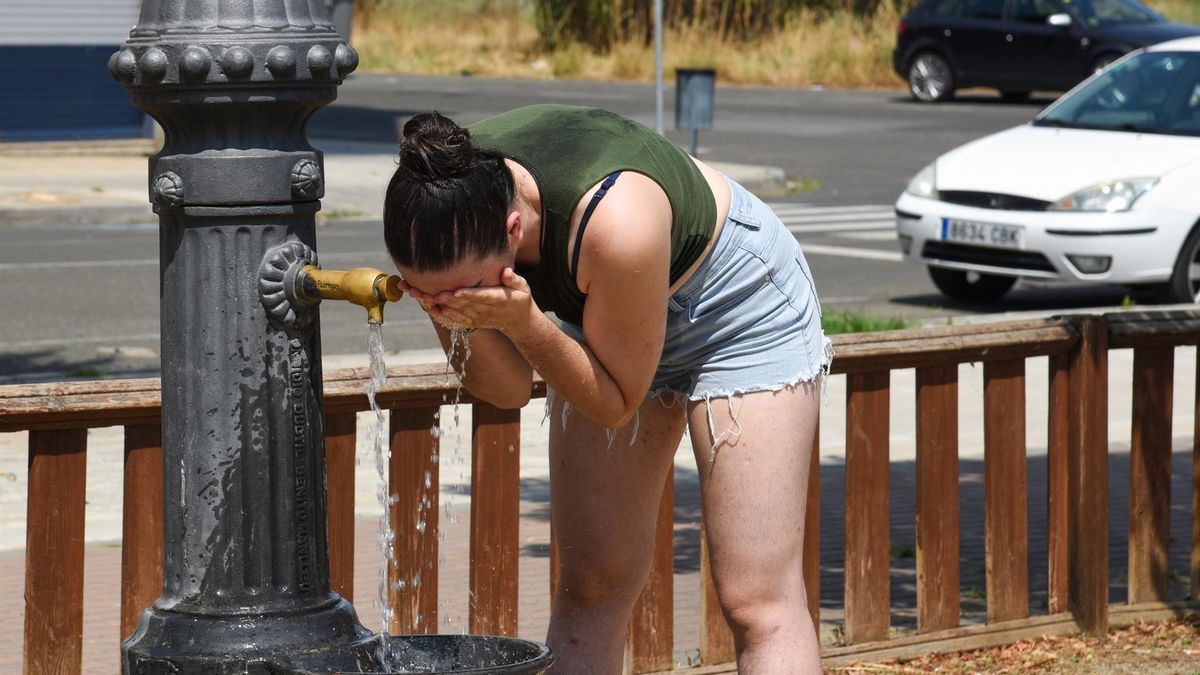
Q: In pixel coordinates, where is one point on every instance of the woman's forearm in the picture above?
(495, 371)
(574, 372)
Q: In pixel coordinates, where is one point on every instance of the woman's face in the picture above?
(472, 273)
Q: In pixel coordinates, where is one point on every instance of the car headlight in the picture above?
(924, 184)
(1113, 196)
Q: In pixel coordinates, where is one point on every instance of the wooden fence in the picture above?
(57, 417)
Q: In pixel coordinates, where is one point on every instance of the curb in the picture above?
(763, 181)
(81, 214)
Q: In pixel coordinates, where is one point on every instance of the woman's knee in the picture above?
(600, 584)
(759, 606)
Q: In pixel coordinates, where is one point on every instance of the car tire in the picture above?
(1014, 96)
(930, 78)
(970, 286)
(1184, 286)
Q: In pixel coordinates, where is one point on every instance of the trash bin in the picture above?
(694, 92)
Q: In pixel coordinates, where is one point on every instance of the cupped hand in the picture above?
(506, 307)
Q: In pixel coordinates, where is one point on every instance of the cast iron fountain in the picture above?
(236, 186)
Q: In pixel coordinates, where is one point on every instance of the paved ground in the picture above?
(104, 509)
(833, 138)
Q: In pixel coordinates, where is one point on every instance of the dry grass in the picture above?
(499, 38)
(1185, 11)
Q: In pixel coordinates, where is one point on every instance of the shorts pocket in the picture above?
(802, 263)
(734, 283)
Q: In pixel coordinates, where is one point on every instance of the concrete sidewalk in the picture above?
(104, 509)
(49, 184)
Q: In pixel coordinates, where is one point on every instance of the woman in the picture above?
(674, 287)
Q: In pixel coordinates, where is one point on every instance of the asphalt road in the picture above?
(82, 301)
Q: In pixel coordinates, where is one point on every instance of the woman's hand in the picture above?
(506, 308)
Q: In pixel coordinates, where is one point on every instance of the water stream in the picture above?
(456, 362)
(386, 536)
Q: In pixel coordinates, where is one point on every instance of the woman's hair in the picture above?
(447, 199)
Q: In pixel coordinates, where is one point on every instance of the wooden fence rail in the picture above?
(58, 415)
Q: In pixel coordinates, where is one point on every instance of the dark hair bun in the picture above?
(435, 148)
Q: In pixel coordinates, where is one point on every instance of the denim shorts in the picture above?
(748, 319)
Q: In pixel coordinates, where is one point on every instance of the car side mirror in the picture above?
(1061, 20)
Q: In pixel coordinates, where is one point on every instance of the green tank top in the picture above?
(568, 150)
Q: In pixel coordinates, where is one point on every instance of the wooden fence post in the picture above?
(414, 481)
(651, 630)
(54, 552)
(341, 431)
(1005, 490)
(1087, 468)
(937, 498)
(495, 519)
(1195, 557)
(1150, 473)
(868, 595)
(141, 524)
(812, 532)
(1058, 522)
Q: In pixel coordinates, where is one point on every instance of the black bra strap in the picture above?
(587, 214)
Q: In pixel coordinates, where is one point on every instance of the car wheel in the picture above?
(930, 78)
(1103, 62)
(1014, 96)
(970, 286)
(1184, 285)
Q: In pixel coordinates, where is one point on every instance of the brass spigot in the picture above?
(363, 286)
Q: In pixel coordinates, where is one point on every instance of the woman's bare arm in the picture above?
(624, 269)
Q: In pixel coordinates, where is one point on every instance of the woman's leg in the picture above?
(754, 489)
(604, 501)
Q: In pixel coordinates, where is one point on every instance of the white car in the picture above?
(1102, 186)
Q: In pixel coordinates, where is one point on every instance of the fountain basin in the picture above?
(463, 655)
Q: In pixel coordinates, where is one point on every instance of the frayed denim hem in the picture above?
(672, 397)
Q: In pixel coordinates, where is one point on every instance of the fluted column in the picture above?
(246, 575)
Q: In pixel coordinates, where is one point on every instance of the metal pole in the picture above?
(659, 123)
(245, 569)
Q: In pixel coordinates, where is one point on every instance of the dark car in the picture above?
(1018, 46)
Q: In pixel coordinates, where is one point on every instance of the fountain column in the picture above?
(246, 575)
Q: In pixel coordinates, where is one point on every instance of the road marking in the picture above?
(835, 227)
(871, 235)
(874, 216)
(785, 207)
(851, 252)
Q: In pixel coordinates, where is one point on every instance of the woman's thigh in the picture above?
(605, 489)
(754, 480)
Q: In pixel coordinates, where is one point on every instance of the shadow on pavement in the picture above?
(1037, 100)
(58, 365)
(1032, 298)
(972, 533)
(357, 123)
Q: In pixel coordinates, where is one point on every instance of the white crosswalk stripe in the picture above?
(857, 224)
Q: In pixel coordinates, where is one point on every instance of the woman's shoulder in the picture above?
(633, 214)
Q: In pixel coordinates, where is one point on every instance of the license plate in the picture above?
(983, 234)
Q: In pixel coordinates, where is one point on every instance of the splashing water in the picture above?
(456, 362)
(386, 536)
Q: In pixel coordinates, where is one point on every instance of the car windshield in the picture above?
(1150, 92)
(1096, 13)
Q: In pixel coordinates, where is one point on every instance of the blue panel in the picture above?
(63, 92)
